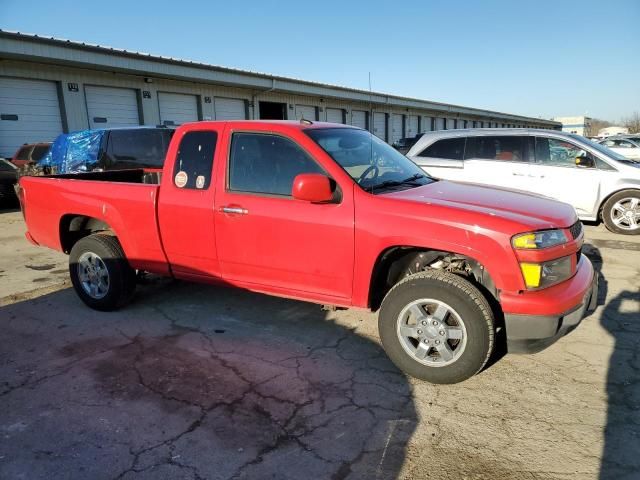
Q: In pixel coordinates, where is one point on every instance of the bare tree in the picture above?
(632, 122)
(597, 125)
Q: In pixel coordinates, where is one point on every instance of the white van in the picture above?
(599, 183)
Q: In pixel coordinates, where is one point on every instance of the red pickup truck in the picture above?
(329, 214)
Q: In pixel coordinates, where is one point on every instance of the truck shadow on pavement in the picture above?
(621, 319)
(193, 381)
(621, 454)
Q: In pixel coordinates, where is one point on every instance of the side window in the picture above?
(449, 148)
(39, 151)
(508, 148)
(23, 153)
(624, 144)
(264, 163)
(559, 153)
(194, 160)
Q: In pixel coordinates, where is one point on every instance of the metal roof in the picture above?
(43, 49)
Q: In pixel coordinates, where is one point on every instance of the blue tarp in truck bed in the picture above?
(74, 152)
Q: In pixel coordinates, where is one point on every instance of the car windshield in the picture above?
(601, 148)
(373, 164)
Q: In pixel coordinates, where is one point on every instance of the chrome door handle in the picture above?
(234, 210)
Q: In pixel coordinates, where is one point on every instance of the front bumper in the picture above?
(533, 333)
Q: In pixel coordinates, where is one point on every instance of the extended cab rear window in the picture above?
(194, 160)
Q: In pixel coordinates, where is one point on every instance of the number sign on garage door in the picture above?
(335, 115)
(359, 118)
(305, 111)
(380, 125)
(111, 107)
(30, 113)
(396, 127)
(230, 109)
(177, 108)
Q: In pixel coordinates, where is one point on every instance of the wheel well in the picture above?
(606, 199)
(397, 262)
(74, 227)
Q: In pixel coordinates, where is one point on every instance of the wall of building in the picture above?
(72, 83)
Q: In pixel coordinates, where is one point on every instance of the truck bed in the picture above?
(125, 200)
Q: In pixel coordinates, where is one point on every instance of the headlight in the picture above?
(541, 275)
(542, 239)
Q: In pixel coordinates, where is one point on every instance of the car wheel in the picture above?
(100, 273)
(436, 326)
(621, 212)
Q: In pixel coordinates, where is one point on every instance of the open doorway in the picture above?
(273, 111)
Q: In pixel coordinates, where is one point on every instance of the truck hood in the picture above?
(526, 209)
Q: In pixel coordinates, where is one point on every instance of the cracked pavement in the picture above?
(199, 382)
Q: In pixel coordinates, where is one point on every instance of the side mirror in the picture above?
(585, 161)
(312, 187)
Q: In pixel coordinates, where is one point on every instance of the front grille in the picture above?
(576, 229)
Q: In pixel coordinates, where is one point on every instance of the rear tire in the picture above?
(100, 273)
(436, 326)
(622, 211)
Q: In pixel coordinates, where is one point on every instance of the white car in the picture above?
(625, 146)
(599, 183)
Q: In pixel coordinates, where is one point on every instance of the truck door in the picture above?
(186, 203)
(265, 237)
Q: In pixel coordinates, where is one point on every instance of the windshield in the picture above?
(372, 163)
(601, 148)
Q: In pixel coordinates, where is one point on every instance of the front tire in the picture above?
(100, 273)
(436, 326)
(621, 212)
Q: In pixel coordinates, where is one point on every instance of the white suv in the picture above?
(599, 183)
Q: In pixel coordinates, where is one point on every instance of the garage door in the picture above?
(111, 107)
(440, 123)
(177, 108)
(379, 125)
(30, 113)
(412, 125)
(305, 111)
(396, 127)
(426, 124)
(230, 109)
(359, 118)
(335, 115)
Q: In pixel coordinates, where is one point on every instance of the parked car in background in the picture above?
(598, 182)
(404, 144)
(626, 146)
(8, 178)
(333, 215)
(30, 153)
(108, 149)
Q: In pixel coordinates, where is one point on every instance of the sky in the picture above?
(537, 58)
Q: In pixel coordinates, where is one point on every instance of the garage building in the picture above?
(49, 86)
